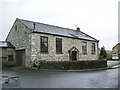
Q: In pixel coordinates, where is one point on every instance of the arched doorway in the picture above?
(73, 54)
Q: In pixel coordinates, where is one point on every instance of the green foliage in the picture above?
(103, 53)
(68, 65)
(109, 54)
(6, 64)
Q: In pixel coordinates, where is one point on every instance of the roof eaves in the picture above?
(65, 36)
(115, 46)
(7, 44)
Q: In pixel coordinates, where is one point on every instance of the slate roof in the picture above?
(116, 45)
(56, 30)
(4, 44)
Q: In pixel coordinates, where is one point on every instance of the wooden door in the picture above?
(74, 55)
(20, 57)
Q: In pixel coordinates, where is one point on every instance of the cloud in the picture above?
(98, 18)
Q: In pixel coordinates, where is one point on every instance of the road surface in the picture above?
(48, 79)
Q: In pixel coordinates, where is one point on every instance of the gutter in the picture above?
(64, 36)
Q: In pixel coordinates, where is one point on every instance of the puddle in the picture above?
(10, 81)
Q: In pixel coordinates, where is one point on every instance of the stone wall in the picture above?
(19, 37)
(5, 52)
(67, 44)
(0, 62)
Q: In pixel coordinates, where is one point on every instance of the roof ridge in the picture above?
(48, 24)
(116, 45)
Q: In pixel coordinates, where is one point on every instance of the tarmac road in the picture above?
(48, 79)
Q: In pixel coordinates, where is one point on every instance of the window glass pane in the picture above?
(58, 45)
(44, 44)
(10, 57)
(93, 48)
(84, 47)
(84, 43)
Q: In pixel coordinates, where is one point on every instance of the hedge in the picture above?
(75, 65)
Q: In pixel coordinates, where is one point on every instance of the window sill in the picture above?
(93, 53)
(59, 53)
(44, 53)
(84, 53)
(10, 61)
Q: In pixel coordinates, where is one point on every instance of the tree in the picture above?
(109, 54)
(103, 53)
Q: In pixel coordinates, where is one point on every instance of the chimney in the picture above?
(78, 29)
(33, 25)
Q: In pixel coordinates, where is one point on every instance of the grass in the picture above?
(111, 66)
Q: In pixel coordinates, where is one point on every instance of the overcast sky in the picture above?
(98, 18)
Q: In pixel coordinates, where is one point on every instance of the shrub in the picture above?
(6, 64)
(76, 65)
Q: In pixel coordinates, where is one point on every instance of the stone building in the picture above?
(116, 49)
(33, 40)
(7, 52)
